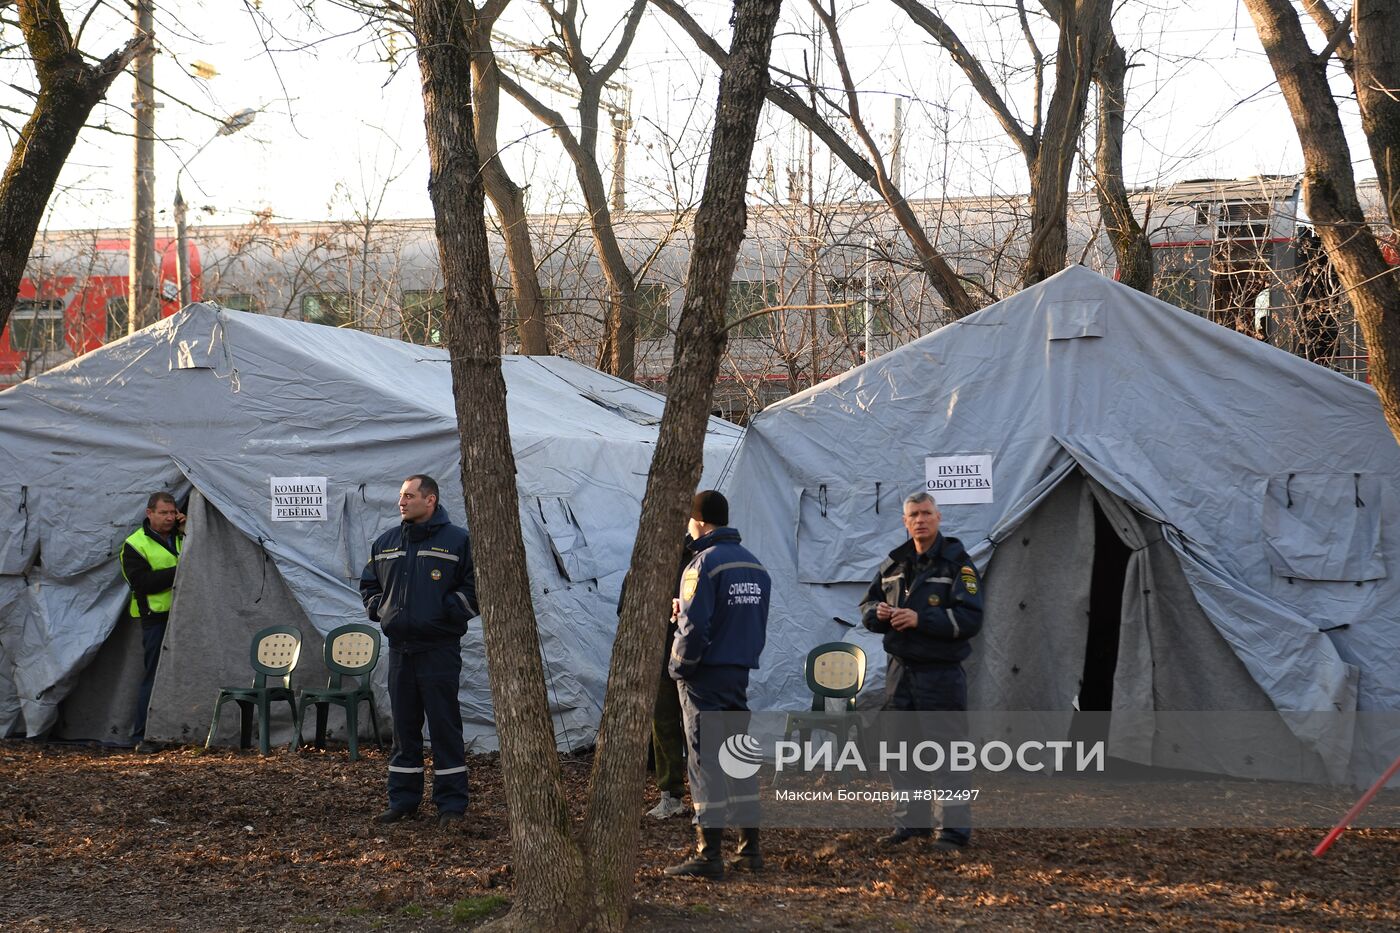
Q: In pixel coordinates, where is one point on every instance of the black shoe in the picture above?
(147, 748)
(747, 857)
(902, 835)
(392, 815)
(706, 862)
(451, 820)
(948, 844)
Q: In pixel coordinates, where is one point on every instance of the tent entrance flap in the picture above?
(1106, 584)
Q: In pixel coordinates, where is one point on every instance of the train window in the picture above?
(116, 318)
(653, 305)
(745, 299)
(36, 326)
(850, 321)
(421, 315)
(239, 302)
(334, 309)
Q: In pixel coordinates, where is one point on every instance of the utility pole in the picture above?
(142, 303)
(897, 145)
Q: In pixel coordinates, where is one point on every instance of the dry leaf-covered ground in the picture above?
(94, 839)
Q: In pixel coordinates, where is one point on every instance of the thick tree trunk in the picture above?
(619, 769)
(68, 90)
(1131, 246)
(941, 276)
(1329, 189)
(1080, 22)
(507, 197)
(548, 865)
(1376, 64)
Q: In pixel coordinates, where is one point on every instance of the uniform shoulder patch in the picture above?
(690, 580)
(969, 579)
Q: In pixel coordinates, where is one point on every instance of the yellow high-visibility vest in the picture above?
(159, 558)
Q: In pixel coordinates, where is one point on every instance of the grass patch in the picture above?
(306, 919)
(414, 912)
(356, 911)
(475, 908)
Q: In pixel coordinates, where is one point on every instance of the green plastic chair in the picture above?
(274, 654)
(835, 671)
(351, 651)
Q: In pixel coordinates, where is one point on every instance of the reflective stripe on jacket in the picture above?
(724, 606)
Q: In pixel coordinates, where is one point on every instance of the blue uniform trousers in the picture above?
(933, 688)
(423, 685)
(719, 799)
(152, 635)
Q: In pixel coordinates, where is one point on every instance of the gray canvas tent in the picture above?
(1178, 518)
(221, 404)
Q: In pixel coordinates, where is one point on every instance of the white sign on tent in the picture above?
(298, 498)
(962, 479)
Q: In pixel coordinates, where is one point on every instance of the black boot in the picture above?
(747, 857)
(707, 861)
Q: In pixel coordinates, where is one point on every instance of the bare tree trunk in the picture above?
(1131, 246)
(548, 865)
(1047, 148)
(556, 887)
(507, 197)
(619, 768)
(1329, 189)
(1376, 61)
(1079, 22)
(582, 149)
(936, 268)
(68, 90)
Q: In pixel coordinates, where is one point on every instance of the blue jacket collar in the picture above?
(725, 534)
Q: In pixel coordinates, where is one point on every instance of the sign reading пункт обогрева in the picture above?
(962, 479)
(298, 498)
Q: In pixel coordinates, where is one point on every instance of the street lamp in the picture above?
(230, 126)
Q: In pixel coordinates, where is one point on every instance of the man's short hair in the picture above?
(426, 485)
(919, 498)
(156, 498)
(710, 506)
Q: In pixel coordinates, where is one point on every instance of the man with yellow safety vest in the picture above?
(148, 560)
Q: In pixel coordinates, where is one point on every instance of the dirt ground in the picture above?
(95, 839)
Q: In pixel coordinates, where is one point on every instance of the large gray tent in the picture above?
(220, 404)
(1180, 518)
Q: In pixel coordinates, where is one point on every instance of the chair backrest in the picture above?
(276, 650)
(351, 650)
(835, 670)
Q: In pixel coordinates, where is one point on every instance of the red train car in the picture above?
(81, 305)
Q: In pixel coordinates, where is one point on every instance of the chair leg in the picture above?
(352, 727)
(322, 714)
(214, 723)
(299, 715)
(245, 731)
(296, 736)
(264, 714)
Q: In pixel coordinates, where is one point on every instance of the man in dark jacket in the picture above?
(721, 626)
(667, 727)
(149, 557)
(419, 585)
(926, 599)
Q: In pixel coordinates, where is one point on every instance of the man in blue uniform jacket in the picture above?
(926, 599)
(721, 625)
(420, 587)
